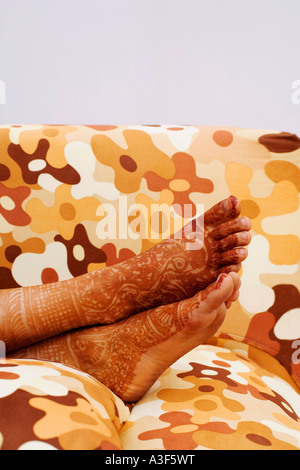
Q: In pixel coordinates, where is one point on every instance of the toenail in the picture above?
(244, 221)
(225, 205)
(245, 236)
(220, 280)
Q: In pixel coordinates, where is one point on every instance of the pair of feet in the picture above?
(130, 354)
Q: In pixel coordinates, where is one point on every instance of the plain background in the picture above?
(214, 62)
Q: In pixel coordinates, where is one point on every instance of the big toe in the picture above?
(223, 211)
(206, 311)
(221, 291)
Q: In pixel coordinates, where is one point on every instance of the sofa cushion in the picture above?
(223, 396)
(47, 406)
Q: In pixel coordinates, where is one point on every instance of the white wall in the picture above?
(223, 62)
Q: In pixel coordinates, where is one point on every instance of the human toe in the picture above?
(240, 224)
(225, 210)
(234, 256)
(234, 240)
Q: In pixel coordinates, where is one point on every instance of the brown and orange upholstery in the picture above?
(238, 391)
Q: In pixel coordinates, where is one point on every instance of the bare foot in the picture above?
(224, 236)
(129, 356)
(167, 273)
(171, 270)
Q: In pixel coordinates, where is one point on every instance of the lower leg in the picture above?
(130, 355)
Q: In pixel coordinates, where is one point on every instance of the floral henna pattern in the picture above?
(111, 353)
(101, 297)
(128, 356)
(31, 314)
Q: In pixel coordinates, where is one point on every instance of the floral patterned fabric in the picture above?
(55, 183)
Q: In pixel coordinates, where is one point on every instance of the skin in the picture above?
(168, 273)
(130, 355)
